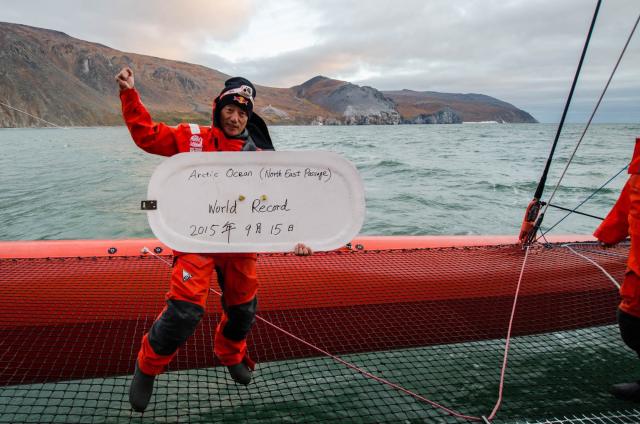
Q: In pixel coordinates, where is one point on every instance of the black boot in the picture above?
(140, 390)
(626, 391)
(240, 373)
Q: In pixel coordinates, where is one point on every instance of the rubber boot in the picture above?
(140, 390)
(240, 373)
(626, 391)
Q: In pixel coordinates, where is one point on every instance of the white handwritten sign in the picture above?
(256, 201)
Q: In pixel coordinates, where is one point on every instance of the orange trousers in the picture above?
(186, 300)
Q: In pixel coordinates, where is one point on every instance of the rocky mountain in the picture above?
(354, 105)
(418, 107)
(70, 82)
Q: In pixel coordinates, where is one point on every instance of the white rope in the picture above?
(498, 403)
(603, 253)
(146, 250)
(367, 374)
(27, 113)
(613, 280)
(507, 342)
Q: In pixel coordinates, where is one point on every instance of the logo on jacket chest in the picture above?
(195, 143)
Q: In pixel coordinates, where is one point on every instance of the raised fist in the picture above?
(125, 78)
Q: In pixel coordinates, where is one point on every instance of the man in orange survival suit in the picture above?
(235, 128)
(624, 220)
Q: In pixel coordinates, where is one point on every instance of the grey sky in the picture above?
(522, 51)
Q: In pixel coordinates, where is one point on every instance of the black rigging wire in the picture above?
(562, 208)
(595, 109)
(545, 173)
(533, 216)
(536, 227)
(574, 210)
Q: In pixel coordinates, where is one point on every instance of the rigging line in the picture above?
(33, 116)
(575, 211)
(590, 244)
(146, 250)
(543, 178)
(584, 243)
(400, 388)
(615, 68)
(507, 342)
(546, 242)
(599, 252)
(533, 218)
(417, 396)
(364, 372)
(613, 280)
(585, 200)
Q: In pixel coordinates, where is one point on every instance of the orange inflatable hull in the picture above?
(78, 309)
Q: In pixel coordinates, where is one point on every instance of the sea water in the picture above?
(87, 183)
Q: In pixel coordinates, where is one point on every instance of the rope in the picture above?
(602, 252)
(363, 372)
(145, 250)
(585, 200)
(508, 339)
(384, 381)
(613, 280)
(611, 254)
(27, 113)
(615, 68)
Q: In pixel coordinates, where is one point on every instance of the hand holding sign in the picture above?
(266, 202)
(302, 249)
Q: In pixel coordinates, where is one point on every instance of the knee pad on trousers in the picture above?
(240, 319)
(174, 326)
(629, 330)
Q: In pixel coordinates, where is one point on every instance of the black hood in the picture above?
(259, 132)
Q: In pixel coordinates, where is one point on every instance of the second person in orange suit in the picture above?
(622, 221)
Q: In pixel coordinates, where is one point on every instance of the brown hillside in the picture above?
(70, 82)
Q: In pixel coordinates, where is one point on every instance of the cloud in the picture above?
(173, 29)
(522, 51)
(274, 28)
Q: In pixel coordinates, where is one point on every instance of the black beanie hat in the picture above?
(238, 91)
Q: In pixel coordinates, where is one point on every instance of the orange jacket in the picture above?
(164, 140)
(624, 218)
(161, 139)
(615, 226)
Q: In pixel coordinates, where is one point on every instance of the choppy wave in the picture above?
(419, 179)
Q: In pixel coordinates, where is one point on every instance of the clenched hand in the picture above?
(125, 78)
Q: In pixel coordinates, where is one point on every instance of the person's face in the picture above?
(233, 120)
